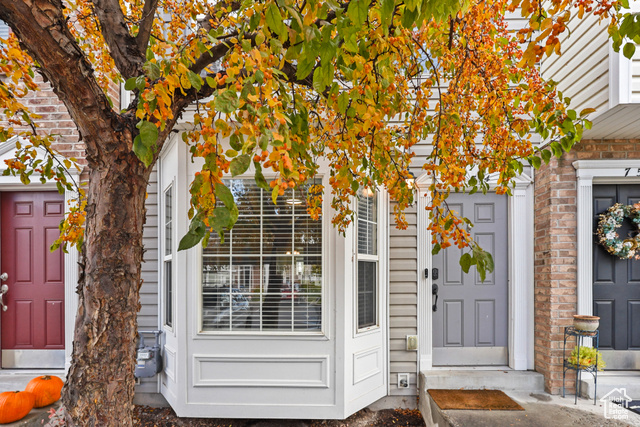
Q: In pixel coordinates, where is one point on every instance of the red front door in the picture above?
(32, 327)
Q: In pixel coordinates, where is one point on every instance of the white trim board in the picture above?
(521, 258)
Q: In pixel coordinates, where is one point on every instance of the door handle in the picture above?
(4, 277)
(3, 290)
(434, 291)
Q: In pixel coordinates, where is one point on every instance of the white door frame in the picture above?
(13, 183)
(600, 172)
(520, 339)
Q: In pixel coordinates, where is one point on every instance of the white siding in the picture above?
(635, 76)
(402, 302)
(582, 69)
(148, 314)
(635, 65)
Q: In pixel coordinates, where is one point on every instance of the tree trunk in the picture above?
(100, 382)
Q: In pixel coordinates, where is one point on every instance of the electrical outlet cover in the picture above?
(403, 380)
(412, 342)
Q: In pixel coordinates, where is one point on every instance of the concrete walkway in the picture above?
(541, 410)
(526, 388)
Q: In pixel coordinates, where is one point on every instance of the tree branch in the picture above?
(207, 58)
(43, 33)
(127, 51)
(144, 33)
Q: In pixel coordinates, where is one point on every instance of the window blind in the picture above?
(267, 274)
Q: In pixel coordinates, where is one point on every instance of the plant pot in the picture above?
(582, 322)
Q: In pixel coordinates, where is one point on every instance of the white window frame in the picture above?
(324, 293)
(370, 258)
(168, 257)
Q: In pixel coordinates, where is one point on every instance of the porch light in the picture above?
(367, 192)
(411, 180)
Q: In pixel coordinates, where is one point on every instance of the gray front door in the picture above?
(470, 321)
(616, 285)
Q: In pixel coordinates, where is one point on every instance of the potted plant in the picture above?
(586, 323)
(588, 357)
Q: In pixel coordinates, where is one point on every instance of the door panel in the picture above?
(485, 323)
(633, 319)
(470, 324)
(32, 328)
(453, 323)
(605, 309)
(616, 286)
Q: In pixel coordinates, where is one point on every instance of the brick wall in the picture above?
(55, 119)
(555, 251)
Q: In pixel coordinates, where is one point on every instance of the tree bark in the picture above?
(100, 383)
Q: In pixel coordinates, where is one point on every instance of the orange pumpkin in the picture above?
(15, 405)
(46, 389)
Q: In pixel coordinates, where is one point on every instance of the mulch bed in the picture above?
(145, 416)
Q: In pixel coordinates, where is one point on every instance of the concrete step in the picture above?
(504, 379)
(608, 381)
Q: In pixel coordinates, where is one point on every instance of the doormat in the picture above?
(489, 400)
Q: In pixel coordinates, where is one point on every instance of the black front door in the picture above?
(616, 282)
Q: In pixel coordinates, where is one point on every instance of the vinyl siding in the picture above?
(635, 76)
(403, 300)
(582, 70)
(148, 314)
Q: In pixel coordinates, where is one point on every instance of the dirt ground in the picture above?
(145, 416)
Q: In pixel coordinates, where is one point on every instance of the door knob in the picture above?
(4, 276)
(434, 291)
(3, 290)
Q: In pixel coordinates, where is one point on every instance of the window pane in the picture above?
(276, 306)
(245, 293)
(260, 281)
(307, 236)
(284, 204)
(308, 274)
(168, 213)
(168, 295)
(216, 274)
(277, 234)
(367, 224)
(307, 312)
(231, 293)
(245, 235)
(367, 315)
(247, 196)
(215, 245)
(168, 251)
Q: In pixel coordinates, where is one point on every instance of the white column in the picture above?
(70, 295)
(585, 244)
(425, 324)
(520, 276)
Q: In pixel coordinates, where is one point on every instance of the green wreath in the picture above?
(608, 237)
